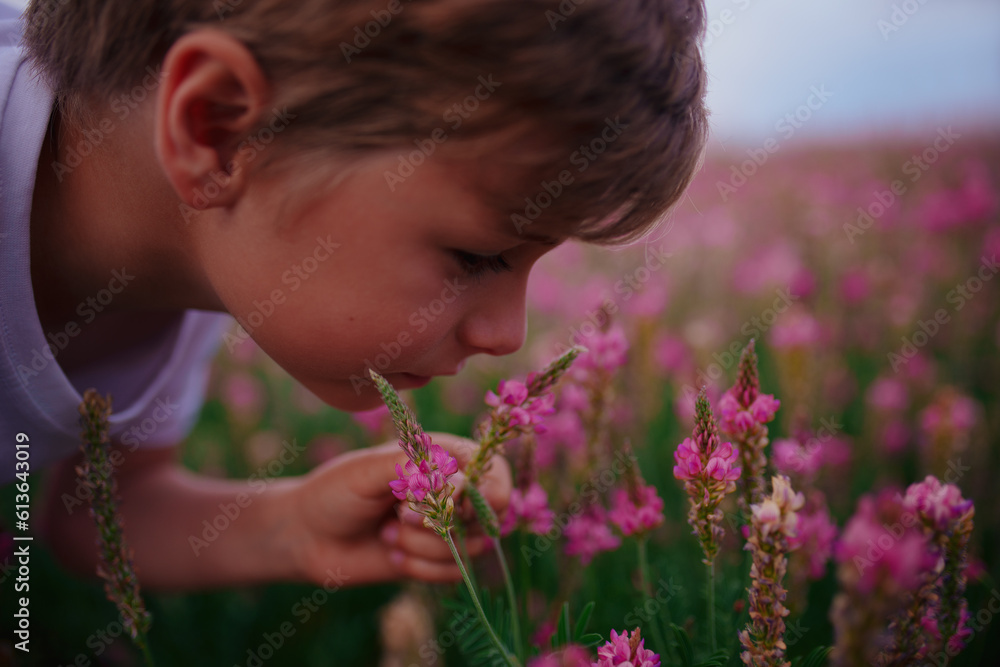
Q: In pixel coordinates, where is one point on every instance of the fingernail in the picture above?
(396, 557)
(390, 534)
(406, 515)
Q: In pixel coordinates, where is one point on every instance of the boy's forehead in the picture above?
(502, 186)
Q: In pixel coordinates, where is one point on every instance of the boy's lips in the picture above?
(420, 380)
(413, 381)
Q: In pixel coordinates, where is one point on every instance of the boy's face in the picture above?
(408, 281)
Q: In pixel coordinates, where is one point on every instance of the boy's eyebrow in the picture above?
(513, 232)
(541, 238)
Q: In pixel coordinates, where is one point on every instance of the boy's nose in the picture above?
(498, 324)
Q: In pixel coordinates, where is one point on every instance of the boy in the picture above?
(322, 170)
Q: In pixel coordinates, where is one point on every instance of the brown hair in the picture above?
(363, 75)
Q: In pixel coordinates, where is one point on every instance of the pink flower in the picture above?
(768, 515)
(570, 655)
(649, 301)
(606, 351)
(888, 394)
(562, 431)
(894, 436)
(245, 351)
(764, 407)
(243, 394)
(815, 539)
(973, 201)
(574, 398)
(791, 457)
(770, 535)
(938, 504)
(636, 517)
(528, 508)
(413, 483)
(512, 392)
(429, 475)
(773, 264)
(520, 411)
(854, 287)
(707, 468)
(738, 419)
(796, 330)
(960, 639)
(803, 283)
(627, 651)
(589, 534)
(950, 411)
(373, 421)
(688, 460)
(543, 635)
(671, 354)
(876, 549)
(722, 464)
(836, 452)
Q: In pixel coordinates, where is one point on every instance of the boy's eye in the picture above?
(477, 265)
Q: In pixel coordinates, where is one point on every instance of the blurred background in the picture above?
(894, 68)
(792, 234)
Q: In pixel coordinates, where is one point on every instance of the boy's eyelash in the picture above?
(478, 265)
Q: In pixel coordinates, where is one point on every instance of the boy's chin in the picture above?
(358, 396)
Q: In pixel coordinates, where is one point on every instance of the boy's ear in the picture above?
(213, 95)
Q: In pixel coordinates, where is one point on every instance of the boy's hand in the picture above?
(345, 522)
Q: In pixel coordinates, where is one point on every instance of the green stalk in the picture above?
(525, 575)
(647, 593)
(141, 640)
(711, 604)
(464, 550)
(515, 619)
(510, 660)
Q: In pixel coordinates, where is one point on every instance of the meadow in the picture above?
(864, 272)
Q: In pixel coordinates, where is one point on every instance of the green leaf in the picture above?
(562, 636)
(683, 645)
(590, 639)
(717, 659)
(581, 623)
(473, 642)
(816, 658)
(565, 629)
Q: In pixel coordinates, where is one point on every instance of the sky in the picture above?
(886, 67)
(868, 67)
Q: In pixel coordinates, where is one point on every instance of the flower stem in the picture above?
(515, 620)
(464, 551)
(525, 576)
(510, 660)
(147, 656)
(647, 593)
(711, 605)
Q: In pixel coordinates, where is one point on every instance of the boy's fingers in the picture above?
(423, 543)
(425, 570)
(496, 484)
(408, 516)
(370, 470)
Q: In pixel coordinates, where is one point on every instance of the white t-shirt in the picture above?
(157, 388)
